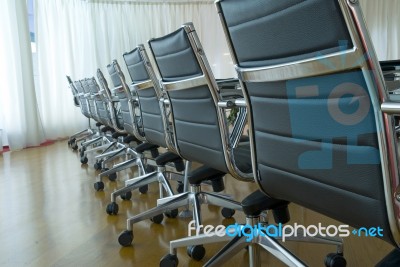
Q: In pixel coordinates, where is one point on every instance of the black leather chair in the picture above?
(154, 131)
(254, 204)
(197, 133)
(123, 126)
(88, 109)
(321, 124)
(82, 135)
(104, 114)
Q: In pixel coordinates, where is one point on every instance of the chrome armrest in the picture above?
(240, 102)
(165, 101)
(117, 89)
(392, 106)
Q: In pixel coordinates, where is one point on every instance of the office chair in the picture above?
(320, 117)
(101, 112)
(197, 133)
(89, 111)
(153, 125)
(134, 157)
(131, 120)
(257, 202)
(79, 136)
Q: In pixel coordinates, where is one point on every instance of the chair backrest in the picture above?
(100, 101)
(200, 126)
(311, 80)
(146, 86)
(112, 103)
(73, 91)
(127, 103)
(84, 104)
(90, 99)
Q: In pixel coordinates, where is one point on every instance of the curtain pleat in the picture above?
(383, 22)
(76, 37)
(19, 115)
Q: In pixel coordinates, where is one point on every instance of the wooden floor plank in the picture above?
(50, 215)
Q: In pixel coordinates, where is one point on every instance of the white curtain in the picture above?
(19, 116)
(383, 22)
(76, 37)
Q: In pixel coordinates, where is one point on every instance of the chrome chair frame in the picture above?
(235, 244)
(133, 158)
(363, 47)
(95, 137)
(194, 197)
(384, 105)
(81, 135)
(162, 171)
(104, 142)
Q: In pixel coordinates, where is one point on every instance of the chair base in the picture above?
(260, 241)
(193, 198)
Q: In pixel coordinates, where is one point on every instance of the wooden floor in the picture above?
(50, 215)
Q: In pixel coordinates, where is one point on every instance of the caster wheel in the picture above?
(112, 208)
(98, 186)
(196, 252)
(144, 189)
(169, 260)
(227, 213)
(69, 143)
(171, 213)
(75, 147)
(112, 177)
(335, 260)
(84, 160)
(97, 165)
(126, 196)
(125, 238)
(157, 219)
(179, 188)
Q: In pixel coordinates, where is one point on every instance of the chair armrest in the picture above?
(117, 89)
(240, 102)
(165, 101)
(392, 106)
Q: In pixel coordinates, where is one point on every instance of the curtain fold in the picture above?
(76, 37)
(383, 22)
(18, 106)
